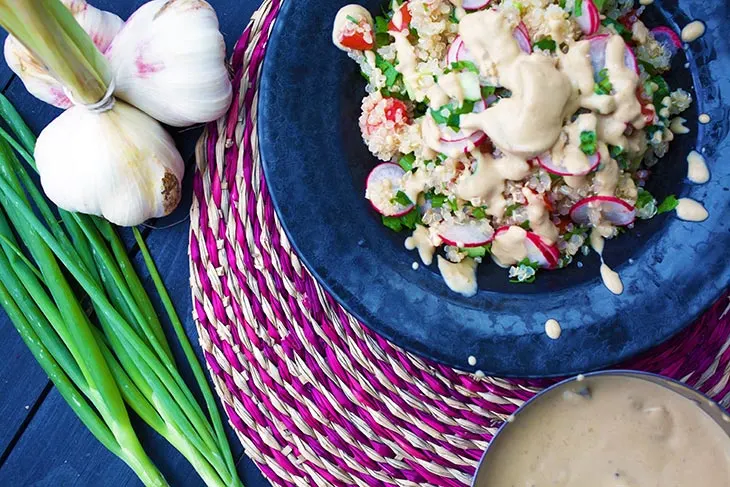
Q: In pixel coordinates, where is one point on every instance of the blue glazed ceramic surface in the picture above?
(316, 164)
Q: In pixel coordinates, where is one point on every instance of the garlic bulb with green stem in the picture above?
(100, 25)
(119, 164)
(169, 61)
(101, 156)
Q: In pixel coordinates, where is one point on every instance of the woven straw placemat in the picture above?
(316, 398)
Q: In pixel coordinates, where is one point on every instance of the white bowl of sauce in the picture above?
(612, 429)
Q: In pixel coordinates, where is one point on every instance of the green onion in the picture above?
(406, 162)
(643, 198)
(578, 8)
(588, 142)
(474, 252)
(352, 19)
(478, 213)
(509, 211)
(619, 27)
(464, 66)
(121, 355)
(669, 203)
(402, 199)
(603, 85)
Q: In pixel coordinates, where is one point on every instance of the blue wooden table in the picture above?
(42, 443)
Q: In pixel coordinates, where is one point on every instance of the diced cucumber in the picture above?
(470, 85)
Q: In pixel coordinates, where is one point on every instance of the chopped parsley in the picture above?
(463, 66)
(643, 198)
(437, 200)
(406, 162)
(619, 27)
(619, 155)
(402, 199)
(397, 223)
(524, 272)
(478, 212)
(487, 91)
(669, 203)
(474, 252)
(562, 4)
(545, 44)
(391, 74)
(393, 222)
(511, 209)
(441, 157)
(578, 8)
(577, 230)
(413, 32)
(450, 116)
(452, 204)
(588, 142)
(603, 85)
(525, 224)
(382, 37)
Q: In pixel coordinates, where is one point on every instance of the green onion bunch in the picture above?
(70, 289)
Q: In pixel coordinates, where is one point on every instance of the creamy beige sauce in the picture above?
(552, 329)
(609, 432)
(607, 178)
(529, 122)
(691, 210)
(342, 23)
(697, 171)
(610, 278)
(420, 240)
(508, 247)
(704, 118)
(460, 277)
(693, 31)
(677, 126)
(487, 181)
(646, 2)
(539, 216)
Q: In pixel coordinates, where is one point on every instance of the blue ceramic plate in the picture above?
(316, 165)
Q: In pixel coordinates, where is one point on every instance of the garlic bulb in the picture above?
(169, 61)
(120, 164)
(100, 25)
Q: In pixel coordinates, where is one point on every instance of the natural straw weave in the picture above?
(316, 398)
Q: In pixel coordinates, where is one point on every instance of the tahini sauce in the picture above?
(697, 171)
(609, 432)
(552, 329)
(693, 31)
(691, 210)
(421, 240)
(459, 277)
(342, 22)
(610, 278)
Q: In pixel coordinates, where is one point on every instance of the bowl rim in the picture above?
(638, 374)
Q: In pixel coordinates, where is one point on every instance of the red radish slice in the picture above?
(465, 234)
(598, 54)
(612, 209)
(463, 146)
(547, 163)
(522, 36)
(589, 20)
(538, 250)
(483, 104)
(668, 39)
(474, 4)
(452, 53)
(381, 174)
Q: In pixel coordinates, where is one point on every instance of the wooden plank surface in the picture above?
(41, 441)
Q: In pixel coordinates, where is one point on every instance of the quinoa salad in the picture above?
(514, 132)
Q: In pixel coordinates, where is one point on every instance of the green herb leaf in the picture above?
(669, 203)
(603, 85)
(510, 209)
(452, 203)
(411, 218)
(562, 4)
(474, 252)
(391, 74)
(528, 263)
(441, 157)
(577, 230)
(381, 25)
(578, 8)
(545, 44)
(402, 199)
(478, 213)
(352, 19)
(393, 223)
(661, 91)
(452, 16)
(620, 156)
(525, 224)
(643, 198)
(619, 27)
(437, 200)
(413, 32)
(588, 142)
(406, 162)
(487, 91)
(439, 116)
(464, 66)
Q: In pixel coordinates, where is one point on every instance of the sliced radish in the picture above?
(450, 135)
(522, 36)
(668, 39)
(465, 234)
(462, 146)
(538, 250)
(589, 20)
(474, 4)
(382, 184)
(452, 55)
(598, 54)
(547, 162)
(614, 210)
(401, 19)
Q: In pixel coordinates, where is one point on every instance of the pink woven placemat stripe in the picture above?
(316, 398)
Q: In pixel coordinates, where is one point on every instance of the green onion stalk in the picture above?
(52, 263)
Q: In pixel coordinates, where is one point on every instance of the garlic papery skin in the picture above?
(119, 164)
(169, 61)
(100, 25)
